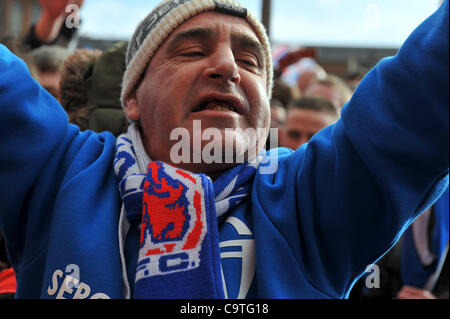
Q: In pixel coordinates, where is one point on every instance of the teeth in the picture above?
(221, 108)
(215, 106)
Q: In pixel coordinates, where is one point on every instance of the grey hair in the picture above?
(49, 58)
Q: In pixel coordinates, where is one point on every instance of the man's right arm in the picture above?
(34, 135)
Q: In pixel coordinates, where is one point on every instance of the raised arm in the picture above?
(344, 199)
(32, 127)
(50, 23)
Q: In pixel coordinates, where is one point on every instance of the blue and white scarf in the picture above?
(177, 213)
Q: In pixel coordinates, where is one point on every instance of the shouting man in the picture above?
(88, 216)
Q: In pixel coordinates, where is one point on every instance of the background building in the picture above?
(16, 16)
(344, 60)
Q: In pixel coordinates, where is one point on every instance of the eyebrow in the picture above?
(239, 39)
(247, 42)
(202, 34)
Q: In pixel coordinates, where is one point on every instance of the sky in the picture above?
(347, 23)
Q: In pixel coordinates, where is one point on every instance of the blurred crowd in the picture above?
(306, 99)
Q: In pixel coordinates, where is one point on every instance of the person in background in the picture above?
(424, 250)
(21, 51)
(301, 74)
(278, 120)
(308, 76)
(306, 117)
(416, 267)
(277, 113)
(282, 95)
(354, 78)
(49, 30)
(78, 66)
(282, 92)
(49, 62)
(289, 67)
(90, 89)
(51, 27)
(331, 88)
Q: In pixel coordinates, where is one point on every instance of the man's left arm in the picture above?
(343, 200)
(397, 122)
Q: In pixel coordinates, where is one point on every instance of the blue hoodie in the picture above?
(308, 230)
(414, 271)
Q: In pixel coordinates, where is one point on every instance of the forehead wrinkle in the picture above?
(238, 38)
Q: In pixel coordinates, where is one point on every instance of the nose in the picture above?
(223, 67)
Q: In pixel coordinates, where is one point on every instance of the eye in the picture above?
(248, 60)
(193, 54)
(294, 134)
(249, 63)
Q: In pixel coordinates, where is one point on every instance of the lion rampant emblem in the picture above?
(173, 221)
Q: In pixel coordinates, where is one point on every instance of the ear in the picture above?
(132, 107)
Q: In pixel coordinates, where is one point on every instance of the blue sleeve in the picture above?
(39, 152)
(341, 201)
(32, 126)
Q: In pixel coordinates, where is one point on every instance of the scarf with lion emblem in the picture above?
(177, 213)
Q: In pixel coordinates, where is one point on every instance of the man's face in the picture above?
(211, 69)
(301, 125)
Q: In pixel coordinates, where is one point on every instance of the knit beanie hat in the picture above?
(164, 19)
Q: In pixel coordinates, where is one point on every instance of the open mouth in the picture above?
(215, 105)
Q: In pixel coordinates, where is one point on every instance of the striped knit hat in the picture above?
(164, 19)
